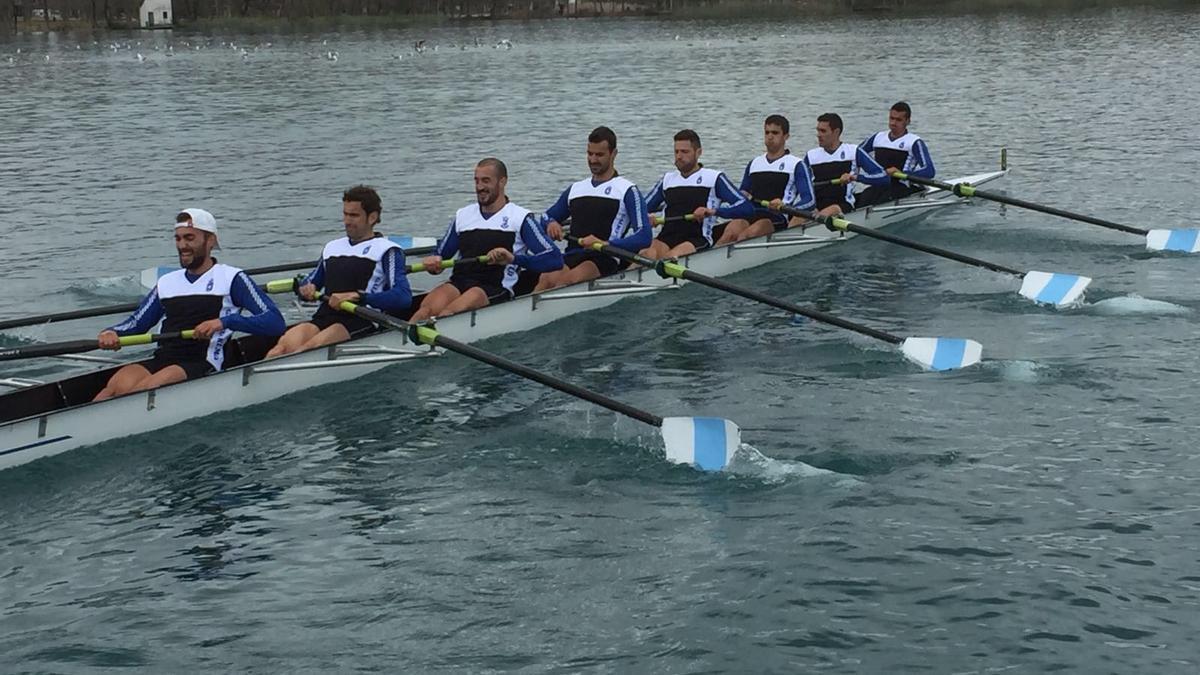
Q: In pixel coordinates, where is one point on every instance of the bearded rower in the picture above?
(205, 297)
(692, 190)
(363, 267)
(844, 162)
(511, 237)
(778, 177)
(897, 149)
(604, 208)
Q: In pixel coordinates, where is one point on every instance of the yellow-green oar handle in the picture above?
(659, 220)
(149, 338)
(446, 264)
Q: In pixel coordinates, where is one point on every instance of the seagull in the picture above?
(140, 58)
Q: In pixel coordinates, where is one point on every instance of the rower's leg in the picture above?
(684, 248)
(329, 336)
(474, 298)
(760, 228)
(732, 230)
(293, 340)
(832, 210)
(168, 375)
(657, 249)
(123, 381)
(584, 271)
(435, 301)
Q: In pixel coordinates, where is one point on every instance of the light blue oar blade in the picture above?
(150, 275)
(1182, 241)
(413, 242)
(707, 443)
(1054, 288)
(941, 353)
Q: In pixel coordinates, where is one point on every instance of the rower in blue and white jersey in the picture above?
(696, 192)
(776, 176)
(845, 162)
(363, 267)
(511, 237)
(604, 208)
(897, 149)
(204, 296)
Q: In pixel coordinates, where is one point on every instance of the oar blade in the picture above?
(940, 353)
(407, 243)
(708, 443)
(150, 275)
(1054, 288)
(1181, 241)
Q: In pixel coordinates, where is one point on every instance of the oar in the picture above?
(662, 220)
(412, 246)
(709, 443)
(1182, 240)
(78, 346)
(289, 285)
(936, 353)
(1051, 288)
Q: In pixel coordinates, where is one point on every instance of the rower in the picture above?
(363, 267)
(692, 190)
(605, 208)
(511, 237)
(204, 296)
(896, 149)
(845, 162)
(777, 176)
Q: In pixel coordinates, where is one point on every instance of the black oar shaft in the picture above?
(664, 269)
(964, 190)
(843, 224)
(427, 335)
(52, 349)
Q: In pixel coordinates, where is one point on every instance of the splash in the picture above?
(751, 463)
(1135, 305)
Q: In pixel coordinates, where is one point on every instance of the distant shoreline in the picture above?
(584, 9)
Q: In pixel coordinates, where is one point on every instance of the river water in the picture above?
(1038, 512)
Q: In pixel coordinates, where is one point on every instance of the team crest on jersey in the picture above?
(842, 154)
(699, 179)
(209, 287)
(504, 223)
(901, 145)
(608, 190)
(366, 250)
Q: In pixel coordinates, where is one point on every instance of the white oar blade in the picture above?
(150, 275)
(413, 242)
(941, 353)
(1054, 288)
(707, 443)
(1182, 241)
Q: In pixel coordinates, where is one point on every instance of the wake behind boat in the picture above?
(42, 419)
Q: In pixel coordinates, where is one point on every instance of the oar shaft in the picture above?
(427, 335)
(78, 346)
(965, 190)
(672, 269)
(847, 226)
(67, 316)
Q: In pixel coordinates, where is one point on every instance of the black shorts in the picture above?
(496, 293)
(673, 237)
(845, 205)
(605, 263)
(326, 316)
(191, 367)
(527, 280)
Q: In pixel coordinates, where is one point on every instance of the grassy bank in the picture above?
(269, 24)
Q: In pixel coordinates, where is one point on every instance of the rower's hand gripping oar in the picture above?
(709, 443)
(1180, 240)
(80, 346)
(1051, 288)
(936, 353)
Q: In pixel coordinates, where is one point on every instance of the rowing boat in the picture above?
(42, 419)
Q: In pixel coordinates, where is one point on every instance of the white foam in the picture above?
(750, 462)
(1132, 304)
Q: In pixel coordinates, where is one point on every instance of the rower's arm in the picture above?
(869, 171)
(735, 203)
(656, 199)
(640, 234)
(448, 247)
(745, 186)
(922, 162)
(315, 277)
(397, 294)
(145, 317)
(802, 179)
(868, 146)
(561, 210)
(264, 317)
(538, 254)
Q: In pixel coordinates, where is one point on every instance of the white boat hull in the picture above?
(31, 438)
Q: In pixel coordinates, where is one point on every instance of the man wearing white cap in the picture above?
(204, 296)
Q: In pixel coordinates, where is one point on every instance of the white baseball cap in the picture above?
(201, 220)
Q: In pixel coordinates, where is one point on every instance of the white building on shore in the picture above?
(156, 14)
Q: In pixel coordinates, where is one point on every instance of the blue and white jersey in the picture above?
(682, 195)
(613, 211)
(473, 233)
(182, 301)
(374, 267)
(787, 178)
(907, 153)
(846, 158)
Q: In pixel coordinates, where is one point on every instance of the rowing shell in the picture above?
(44, 419)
